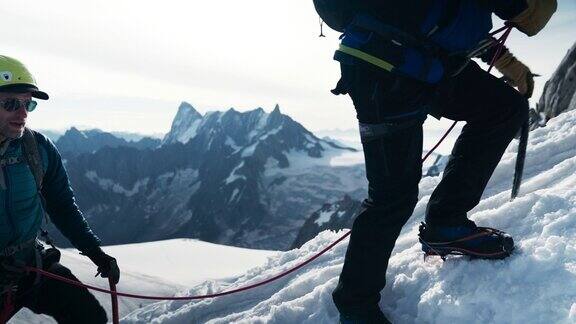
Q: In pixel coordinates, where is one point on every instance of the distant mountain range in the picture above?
(251, 179)
(75, 142)
(238, 178)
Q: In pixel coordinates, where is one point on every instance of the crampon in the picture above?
(470, 240)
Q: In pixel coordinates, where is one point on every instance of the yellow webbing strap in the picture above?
(366, 57)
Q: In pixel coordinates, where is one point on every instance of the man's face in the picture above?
(12, 122)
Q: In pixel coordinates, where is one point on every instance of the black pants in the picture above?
(67, 304)
(391, 131)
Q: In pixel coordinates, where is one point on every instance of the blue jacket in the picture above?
(469, 23)
(20, 205)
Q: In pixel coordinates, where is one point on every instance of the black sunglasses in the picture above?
(13, 104)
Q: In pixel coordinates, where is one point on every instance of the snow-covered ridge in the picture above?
(537, 284)
(244, 130)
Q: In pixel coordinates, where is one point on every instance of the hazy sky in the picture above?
(127, 64)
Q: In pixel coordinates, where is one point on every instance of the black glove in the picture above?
(107, 266)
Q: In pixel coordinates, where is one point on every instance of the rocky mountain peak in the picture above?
(237, 129)
(186, 110)
(184, 124)
(559, 93)
(73, 131)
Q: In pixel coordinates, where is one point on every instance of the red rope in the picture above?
(499, 30)
(261, 283)
(439, 142)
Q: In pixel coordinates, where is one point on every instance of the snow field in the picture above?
(537, 284)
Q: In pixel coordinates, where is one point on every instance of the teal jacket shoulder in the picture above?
(21, 210)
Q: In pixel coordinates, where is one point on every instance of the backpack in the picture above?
(405, 14)
(34, 161)
(424, 40)
(32, 157)
(337, 14)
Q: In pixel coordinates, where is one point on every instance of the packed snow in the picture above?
(537, 284)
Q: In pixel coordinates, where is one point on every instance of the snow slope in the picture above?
(536, 285)
(162, 268)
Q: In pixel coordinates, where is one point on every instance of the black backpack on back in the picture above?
(337, 14)
(407, 15)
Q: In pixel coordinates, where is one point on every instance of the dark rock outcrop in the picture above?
(559, 93)
(336, 216)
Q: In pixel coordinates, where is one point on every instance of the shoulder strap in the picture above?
(34, 160)
(32, 156)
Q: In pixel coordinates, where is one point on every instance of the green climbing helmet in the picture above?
(15, 77)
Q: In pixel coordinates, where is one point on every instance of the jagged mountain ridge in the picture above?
(239, 178)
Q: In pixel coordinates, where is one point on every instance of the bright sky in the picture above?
(126, 65)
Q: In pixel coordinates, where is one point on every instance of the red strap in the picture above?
(8, 307)
(114, 297)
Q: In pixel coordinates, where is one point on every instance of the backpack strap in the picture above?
(32, 157)
(34, 160)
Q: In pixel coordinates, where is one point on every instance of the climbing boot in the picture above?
(468, 239)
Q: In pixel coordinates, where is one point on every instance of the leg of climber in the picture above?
(493, 112)
(392, 149)
(64, 302)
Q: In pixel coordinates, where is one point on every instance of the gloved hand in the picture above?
(107, 266)
(516, 73)
(535, 17)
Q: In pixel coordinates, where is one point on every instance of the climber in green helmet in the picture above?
(33, 184)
